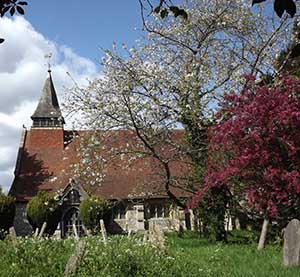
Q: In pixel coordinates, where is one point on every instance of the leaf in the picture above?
(12, 11)
(174, 10)
(5, 10)
(20, 10)
(290, 7)
(164, 13)
(183, 13)
(23, 3)
(157, 9)
(295, 51)
(279, 7)
(257, 2)
(2, 40)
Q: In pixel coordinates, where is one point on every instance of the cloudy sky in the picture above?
(73, 34)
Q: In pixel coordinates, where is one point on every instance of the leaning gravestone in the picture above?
(291, 247)
(103, 231)
(74, 261)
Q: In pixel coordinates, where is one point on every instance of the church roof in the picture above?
(50, 168)
(48, 106)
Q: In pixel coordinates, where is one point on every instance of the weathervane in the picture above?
(48, 56)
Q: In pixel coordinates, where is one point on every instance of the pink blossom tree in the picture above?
(254, 150)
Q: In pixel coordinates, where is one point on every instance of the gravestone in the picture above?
(74, 260)
(75, 232)
(42, 230)
(156, 236)
(103, 231)
(36, 233)
(146, 236)
(291, 247)
(13, 235)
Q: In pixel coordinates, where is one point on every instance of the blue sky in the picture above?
(73, 31)
(86, 25)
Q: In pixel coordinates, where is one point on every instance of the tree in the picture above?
(91, 210)
(43, 208)
(7, 211)
(163, 7)
(11, 6)
(173, 79)
(254, 150)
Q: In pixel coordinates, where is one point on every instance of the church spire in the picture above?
(48, 113)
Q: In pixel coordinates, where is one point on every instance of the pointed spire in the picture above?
(48, 113)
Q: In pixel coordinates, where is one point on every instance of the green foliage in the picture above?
(43, 208)
(242, 236)
(91, 210)
(126, 257)
(7, 211)
(123, 256)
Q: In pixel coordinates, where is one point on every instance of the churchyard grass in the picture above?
(123, 256)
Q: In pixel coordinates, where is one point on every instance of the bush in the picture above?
(243, 236)
(91, 210)
(7, 212)
(43, 208)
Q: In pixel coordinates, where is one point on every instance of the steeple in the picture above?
(48, 113)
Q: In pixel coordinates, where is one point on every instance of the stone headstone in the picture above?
(56, 235)
(146, 236)
(103, 231)
(86, 231)
(74, 260)
(75, 232)
(36, 233)
(13, 235)
(156, 236)
(42, 230)
(291, 247)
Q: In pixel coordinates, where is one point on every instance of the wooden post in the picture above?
(42, 229)
(103, 231)
(74, 260)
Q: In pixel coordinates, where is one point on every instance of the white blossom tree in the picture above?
(174, 78)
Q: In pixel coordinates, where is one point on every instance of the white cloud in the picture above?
(22, 74)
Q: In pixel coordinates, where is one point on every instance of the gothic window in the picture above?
(157, 211)
(119, 212)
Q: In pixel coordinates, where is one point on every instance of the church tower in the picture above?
(48, 113)
(47, 130)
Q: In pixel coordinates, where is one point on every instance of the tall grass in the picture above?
(122, 256)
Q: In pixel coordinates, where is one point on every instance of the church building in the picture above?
(46, 153)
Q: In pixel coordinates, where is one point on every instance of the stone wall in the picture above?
(21, 224)
(135, 220)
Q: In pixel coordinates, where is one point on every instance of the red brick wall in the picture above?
(42, 138)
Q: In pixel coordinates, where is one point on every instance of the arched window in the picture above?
(70, 218)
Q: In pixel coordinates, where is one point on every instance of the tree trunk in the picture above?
(263, 234)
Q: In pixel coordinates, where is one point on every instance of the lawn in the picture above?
(188, 256)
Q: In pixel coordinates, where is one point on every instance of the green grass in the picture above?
(188, 256)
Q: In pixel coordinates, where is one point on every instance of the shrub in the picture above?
(7, 211)
(43, 208)
(91, 210)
